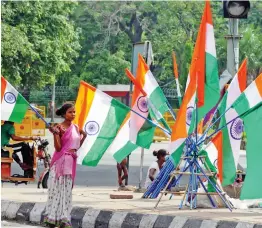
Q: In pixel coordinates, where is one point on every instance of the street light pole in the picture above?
(233, 46)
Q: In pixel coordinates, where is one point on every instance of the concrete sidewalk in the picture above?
(98, 199)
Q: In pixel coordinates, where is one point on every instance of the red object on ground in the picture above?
(6, 167)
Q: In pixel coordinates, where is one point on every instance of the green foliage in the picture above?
(92, 41)
(39, 42)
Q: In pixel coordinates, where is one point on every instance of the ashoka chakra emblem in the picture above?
(92, 128)
(142, 104)
(236, 129)
(189, 114)
(10, 98)
(215, 164)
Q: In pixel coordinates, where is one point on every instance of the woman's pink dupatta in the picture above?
(65, 161)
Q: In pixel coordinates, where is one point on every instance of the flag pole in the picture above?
(219, 129)
(150, 121)
(39, 115)
(175, 71)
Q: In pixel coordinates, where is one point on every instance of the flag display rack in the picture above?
(193, 163)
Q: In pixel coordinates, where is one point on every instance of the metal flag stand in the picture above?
(194, 167)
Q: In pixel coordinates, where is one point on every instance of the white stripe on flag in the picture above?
(136, 121)
(233, 91)
(150, 83)
(98, 113)
(7, 107)
(212, 153)
(173, 146)
(210, 40)
(121, 139)
(252, 95)
(178, 88)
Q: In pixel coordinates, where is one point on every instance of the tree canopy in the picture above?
(92, 41)
(39, 41)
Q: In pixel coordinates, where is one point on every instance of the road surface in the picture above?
(105, 174)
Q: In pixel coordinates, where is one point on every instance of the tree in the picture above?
(39, 41)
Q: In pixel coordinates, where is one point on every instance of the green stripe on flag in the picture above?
(19, 110)
(145, 135)
(178, 153)
(253, 184)
(107, 134)
(229, 169)
(241, 105)
(158, 99)
(212, 90)
(127, 149)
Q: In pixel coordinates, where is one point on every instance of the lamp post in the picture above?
(234, 10)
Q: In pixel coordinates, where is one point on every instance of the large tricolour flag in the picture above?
(249, 107)
(203, 81)
(232, 134)
(100, 116)
(13, 104)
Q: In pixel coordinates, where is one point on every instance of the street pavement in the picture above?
(14, 225)
(99, 199)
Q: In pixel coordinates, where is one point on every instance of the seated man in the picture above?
(8, 132)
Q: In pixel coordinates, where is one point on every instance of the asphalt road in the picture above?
(105, 174)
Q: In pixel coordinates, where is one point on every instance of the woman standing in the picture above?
(156, 166)
(67, 140)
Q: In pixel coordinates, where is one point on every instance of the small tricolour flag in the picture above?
(13, 104)
(215, 153)
(251, 97)
(139, 126)
(100, 116)
(175, 70)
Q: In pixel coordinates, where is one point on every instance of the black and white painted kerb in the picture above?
(93, 218)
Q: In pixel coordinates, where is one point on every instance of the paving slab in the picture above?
(99, 199)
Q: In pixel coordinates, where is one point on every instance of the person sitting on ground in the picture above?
(156, 166)
(121, 167)
(7, 133)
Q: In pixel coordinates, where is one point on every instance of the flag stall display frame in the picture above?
(195, 172)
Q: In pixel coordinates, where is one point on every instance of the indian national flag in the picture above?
(252, 124)
(13, 104)
(232, 134)
(100, 116)
(213, 159)
(138, 125)
(251, 97)
(175, 70)
(149, 84)
(202, 80)
(215, 153)
(208, 91)
(249, 106)
(121, 147)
